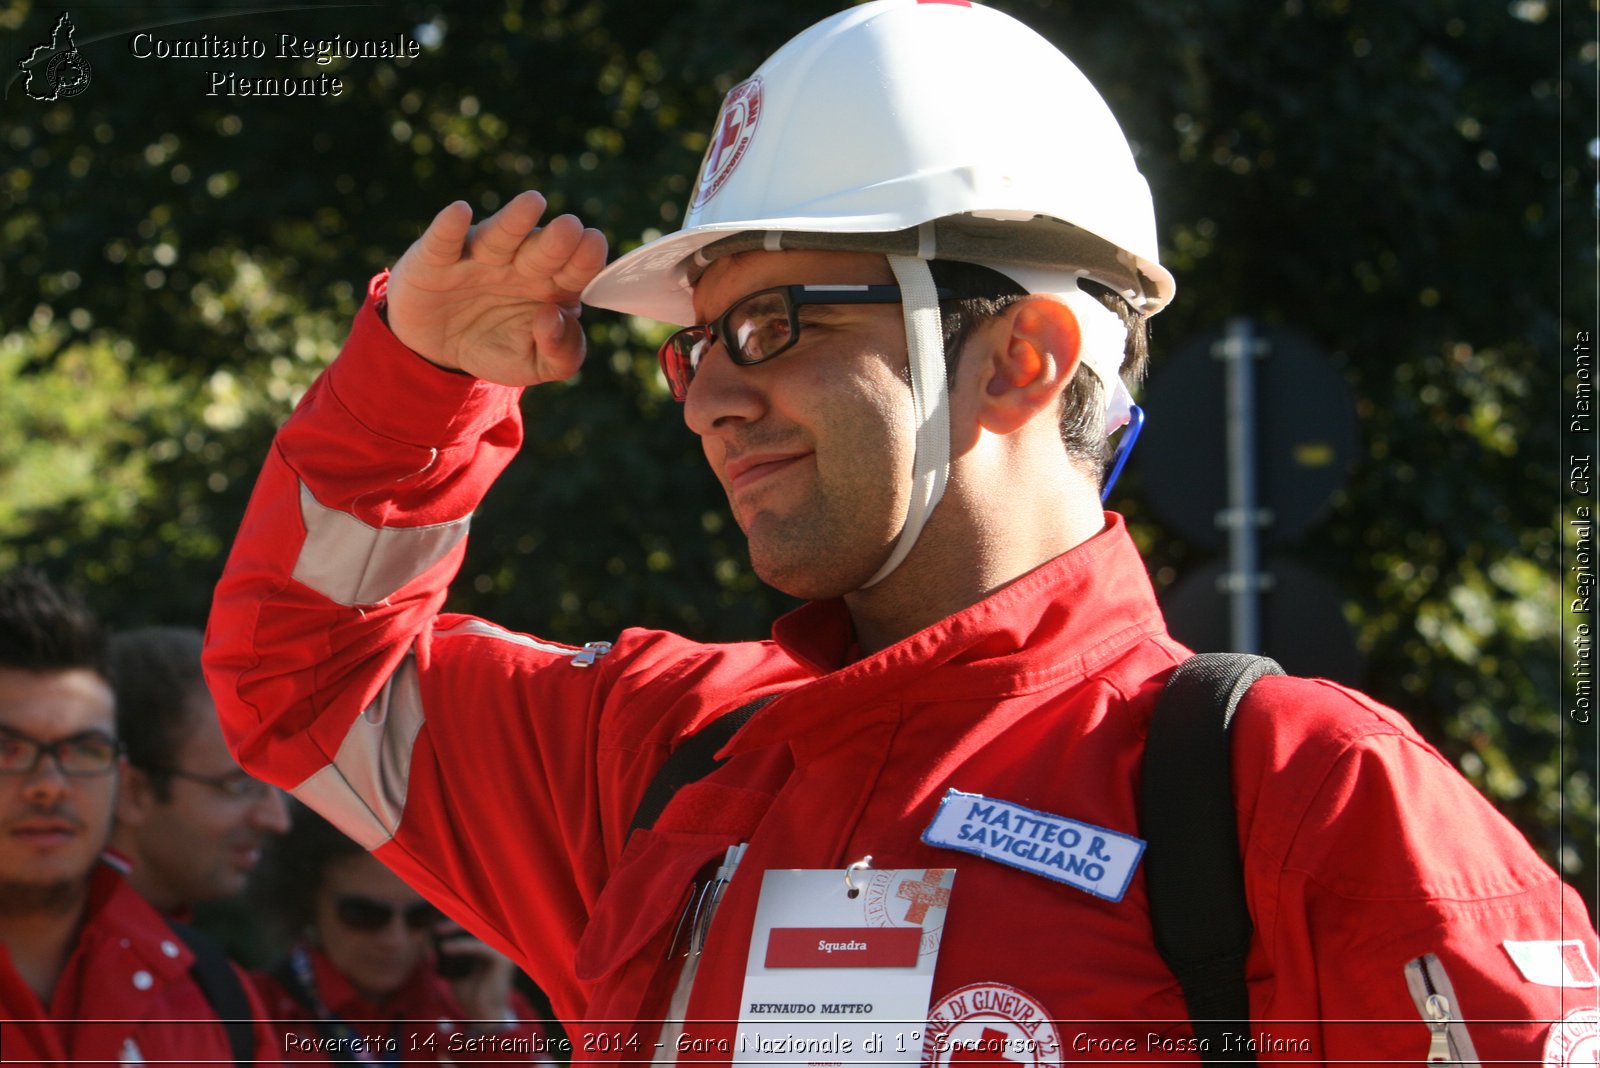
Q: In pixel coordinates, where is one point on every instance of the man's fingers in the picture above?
(543, 253)
(558, 343)
(442, 242)
(497, 239)
(584, 263)
(464, 945)
(563, 254)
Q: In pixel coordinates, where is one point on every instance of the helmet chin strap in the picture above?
(930, 403)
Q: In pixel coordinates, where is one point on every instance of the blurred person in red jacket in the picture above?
(89, 971)
(375, 971)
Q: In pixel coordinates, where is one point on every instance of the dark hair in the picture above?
(290, 877)
(153, 671)
(982, 293)
(46, 629)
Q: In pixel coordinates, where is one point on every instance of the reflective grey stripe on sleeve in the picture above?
(481, 629)
(363, 792)
(352, 563)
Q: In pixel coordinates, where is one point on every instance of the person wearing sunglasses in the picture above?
(376, 970)
(911, 290)
(89, 970)
(191, 823)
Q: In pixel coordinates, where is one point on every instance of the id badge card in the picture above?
(841, 965)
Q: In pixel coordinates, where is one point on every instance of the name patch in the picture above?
(1094, 859)
(1553, 963)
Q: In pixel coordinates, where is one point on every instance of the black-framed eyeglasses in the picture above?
(368, 914)
(759, 326)
(82, 754)
(236, 785)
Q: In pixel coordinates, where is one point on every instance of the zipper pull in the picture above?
(1435, 997)
(1438, 1010)
(592, 651)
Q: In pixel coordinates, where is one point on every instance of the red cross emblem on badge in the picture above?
(924, 893)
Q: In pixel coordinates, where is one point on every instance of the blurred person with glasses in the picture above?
(190, 822)
(376, 972)
(89, 971)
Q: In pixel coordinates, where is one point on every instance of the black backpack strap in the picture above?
(692, 761)
(1193, 870)
(213, 973)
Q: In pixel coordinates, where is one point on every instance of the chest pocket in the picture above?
(646, 892)
(622, 956)
(647, 904)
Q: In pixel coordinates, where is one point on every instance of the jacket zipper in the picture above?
(590, 652)
(1435, 998)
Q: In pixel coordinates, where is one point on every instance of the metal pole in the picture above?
(1238, 350)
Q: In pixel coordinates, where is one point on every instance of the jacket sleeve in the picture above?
(1386, 883)
(356, 525)
(462, 755)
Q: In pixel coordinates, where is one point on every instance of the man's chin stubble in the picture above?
(41, 899)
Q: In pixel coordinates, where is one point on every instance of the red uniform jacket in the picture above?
(498, 773)
(129, 974)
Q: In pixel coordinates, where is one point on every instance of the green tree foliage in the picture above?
(1390, 179)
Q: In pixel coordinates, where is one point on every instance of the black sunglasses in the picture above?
(757, 327)
(364, 914)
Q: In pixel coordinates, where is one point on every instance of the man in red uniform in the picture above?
(189, 820)
(77, 942)
(915, 270)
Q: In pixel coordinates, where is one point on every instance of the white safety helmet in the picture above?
(919, 129)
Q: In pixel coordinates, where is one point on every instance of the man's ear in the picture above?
(1031, 359)
(136, 796)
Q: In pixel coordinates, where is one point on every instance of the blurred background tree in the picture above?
(1410, 183)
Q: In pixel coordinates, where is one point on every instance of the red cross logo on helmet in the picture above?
(736, 125)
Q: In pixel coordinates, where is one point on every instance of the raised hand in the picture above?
(498, 300)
